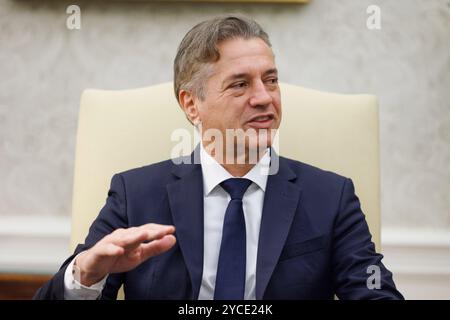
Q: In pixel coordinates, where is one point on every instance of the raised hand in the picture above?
(123, 250)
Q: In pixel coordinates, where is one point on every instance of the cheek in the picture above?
(216, 117)
(277, 102)
(224, 113)
(232, 114)
(208, 112)
(278, 109)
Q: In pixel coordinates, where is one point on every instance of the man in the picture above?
(226, 228)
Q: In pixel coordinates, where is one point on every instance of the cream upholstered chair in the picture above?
(120, 130)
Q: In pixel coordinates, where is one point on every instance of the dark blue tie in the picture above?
(230, 279)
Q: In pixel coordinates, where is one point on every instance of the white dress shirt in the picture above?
(215, 200)
(74, 290)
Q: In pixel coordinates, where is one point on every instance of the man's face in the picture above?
(243, 91)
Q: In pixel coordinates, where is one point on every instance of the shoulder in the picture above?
(308, 171)
(314, 178)
(323, 191)
(154, 175)
(155, 169)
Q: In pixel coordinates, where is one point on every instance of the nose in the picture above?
(260, 95)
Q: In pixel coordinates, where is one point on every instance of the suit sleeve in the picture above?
(111, 217)
(358, 272)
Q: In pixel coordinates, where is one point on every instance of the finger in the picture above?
(110, 249)
(158, 246)
(130, 238)
(157, 230)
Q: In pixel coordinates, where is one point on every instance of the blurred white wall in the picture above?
(324, 45)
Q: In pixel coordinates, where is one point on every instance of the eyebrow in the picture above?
(244, 75)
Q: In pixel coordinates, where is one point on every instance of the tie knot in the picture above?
(236, 187)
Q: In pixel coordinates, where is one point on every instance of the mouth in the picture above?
(262, 121)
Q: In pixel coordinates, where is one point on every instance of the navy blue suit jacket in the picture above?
(314, 240)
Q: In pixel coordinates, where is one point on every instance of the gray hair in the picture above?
(198, 49)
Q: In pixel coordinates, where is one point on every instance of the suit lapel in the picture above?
(186, 204)
(280, 204)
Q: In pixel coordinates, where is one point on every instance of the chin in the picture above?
(262, 143)
(252, 139)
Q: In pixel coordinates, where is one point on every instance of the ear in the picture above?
(188, 103)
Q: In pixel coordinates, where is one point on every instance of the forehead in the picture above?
(244, 55)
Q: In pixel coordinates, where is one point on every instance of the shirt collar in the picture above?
(214, 173)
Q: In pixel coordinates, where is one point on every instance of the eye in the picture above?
(239, 85)
(272, 80)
